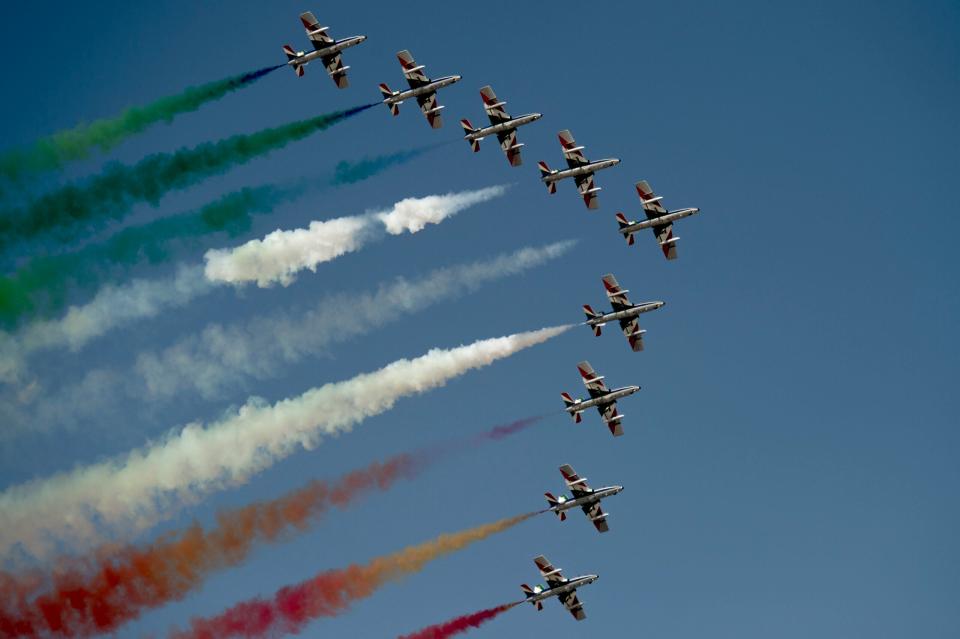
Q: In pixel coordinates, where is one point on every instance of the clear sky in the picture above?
(791, 462)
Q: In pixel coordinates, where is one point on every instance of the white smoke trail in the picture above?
(123, 496)
(279, 256)
(275, 258)
(223, 356)
(112, 307)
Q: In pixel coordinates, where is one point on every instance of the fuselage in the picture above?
(430, 87)
(611, 396)
(585, 169)
(502, 127)
(633, 311)
(569, 586)
(335, 47)
(586, 500)
(672, 216)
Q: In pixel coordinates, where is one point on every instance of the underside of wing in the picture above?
(631, 328)
(551, 575)
(317, 34)
(336, 70)
(412, 71)
(651, 203)
(596, 515)
(591, 380)
(493, 106)
(572, 603)
(612, 418)
(588, 190)
(510, 146)
(428, 104)
(577, 485)
(668, 243)
(615, 293)
(572, 153)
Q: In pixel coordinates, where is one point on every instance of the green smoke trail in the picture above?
(76, 208)
(40, 288)
(51, 153)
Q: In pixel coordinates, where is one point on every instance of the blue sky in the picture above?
(790, 464)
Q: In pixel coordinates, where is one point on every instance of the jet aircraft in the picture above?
(421, 87)
(584, 497)
(601, 398)
(623, 311)
(501, 125)
(325, 48)
(658, 219)
(579, 168)
(557, 586)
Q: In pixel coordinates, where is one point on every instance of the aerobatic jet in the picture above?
(584, 497)
(501, 125)
(579, 168)
(325, 48)
(601, 398)
(623, 311)
(421, 87)
(658, 219)
(558, 586)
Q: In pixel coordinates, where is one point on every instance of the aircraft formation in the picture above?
(581, 170)
(425, 91)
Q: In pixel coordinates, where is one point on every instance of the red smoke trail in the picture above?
(98, 594)
(330, 593)
(460, 624)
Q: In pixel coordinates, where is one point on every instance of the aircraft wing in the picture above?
(616, 293)
(577, 485)
(493, 106)
(336, 70)
(551, 575)
(317, 34)
(428, 104)
(668, 244)
(631, 328)
(651, 203)
(412, 71)
(571, 603)
(591, 380)
(612, 418)
(508, 142)
(587, 189)
(571, 152)
(596, 515)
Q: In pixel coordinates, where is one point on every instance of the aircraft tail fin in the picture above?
(468, 128)
(623, 223)
(569, 403)
(591, 315)
(553, 501)
(545, 172)
(530, 592)
(387, 93)
(291, 56)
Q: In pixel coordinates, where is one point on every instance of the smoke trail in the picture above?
(76, 208)
(99, 594)
(39, 288)
(112, 307)
(279, 255)
(460, 624)
(53, 152)
(222, 356)
(331, 593)
(282, 254)
(150, 483)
